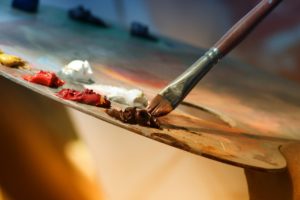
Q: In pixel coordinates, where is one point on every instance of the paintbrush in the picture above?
(169, 98)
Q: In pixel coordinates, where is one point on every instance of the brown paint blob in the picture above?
(133, 115)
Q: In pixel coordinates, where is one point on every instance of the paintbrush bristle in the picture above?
(159, 106)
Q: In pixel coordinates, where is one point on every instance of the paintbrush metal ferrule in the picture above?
(176, 91)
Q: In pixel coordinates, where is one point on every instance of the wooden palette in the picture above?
(237, 114)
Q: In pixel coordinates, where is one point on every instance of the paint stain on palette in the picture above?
(132, 76)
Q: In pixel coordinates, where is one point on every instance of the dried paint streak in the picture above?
(210, 150)
(266, 159)
(200, 125)
(170, 140)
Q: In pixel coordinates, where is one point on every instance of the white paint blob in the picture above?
(131, 97)
(77, 70)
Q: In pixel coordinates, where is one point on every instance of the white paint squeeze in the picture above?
(77, 70)
(131, 97)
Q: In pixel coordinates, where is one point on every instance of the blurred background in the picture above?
(111, 163)
(273, 46)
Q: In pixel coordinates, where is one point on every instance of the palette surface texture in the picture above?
(237, 114)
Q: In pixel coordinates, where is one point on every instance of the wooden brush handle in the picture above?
(245, 25)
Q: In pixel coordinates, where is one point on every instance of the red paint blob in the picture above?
(45, 78)
(87, 97)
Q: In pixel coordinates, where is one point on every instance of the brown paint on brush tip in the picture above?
(159, 106)
(133, 115)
